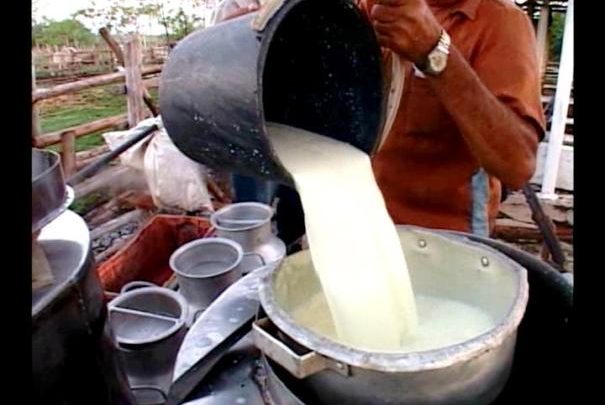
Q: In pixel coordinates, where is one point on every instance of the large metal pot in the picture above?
(311, 64)
(74, 356)
(445, 265)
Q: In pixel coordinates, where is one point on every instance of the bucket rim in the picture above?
(206, 241)
(214, 218)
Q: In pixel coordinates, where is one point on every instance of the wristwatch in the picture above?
(436, 60)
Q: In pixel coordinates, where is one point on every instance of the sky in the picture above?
(60, 9)
(63, 9)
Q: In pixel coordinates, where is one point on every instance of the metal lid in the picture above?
(146, 315)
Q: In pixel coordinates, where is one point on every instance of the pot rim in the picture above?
(412, 361)
(230, 207)
(50, 177)
(206, 241)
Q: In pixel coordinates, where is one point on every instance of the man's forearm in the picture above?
(502, 142)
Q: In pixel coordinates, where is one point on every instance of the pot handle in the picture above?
(300, 366)
(133, 285)
(266, 12)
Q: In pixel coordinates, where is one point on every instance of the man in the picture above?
(470, 116)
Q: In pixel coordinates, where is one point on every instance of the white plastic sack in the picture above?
(174, 180)
(134, 156)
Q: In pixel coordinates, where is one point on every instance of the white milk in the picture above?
(353, 242)
(442, 322)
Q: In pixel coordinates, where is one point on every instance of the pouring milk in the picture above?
(367, 300)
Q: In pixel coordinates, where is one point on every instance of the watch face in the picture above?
(438, 61)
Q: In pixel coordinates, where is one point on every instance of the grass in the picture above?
(85, 106)
(83, 205)
(84, 70)
(76, 109)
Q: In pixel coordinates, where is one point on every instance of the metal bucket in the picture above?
(311, 64)
(444, 265)
(205, 268)
(249, 224)
(149, 325)
(50, 196)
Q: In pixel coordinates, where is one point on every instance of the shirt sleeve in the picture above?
(506, 60)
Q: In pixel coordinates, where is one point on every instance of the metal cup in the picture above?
(205, 268)
(149, 324)
(249, 224)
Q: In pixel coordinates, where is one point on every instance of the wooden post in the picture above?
(115, 47)
(134, 81)
(561, 108)
(99, 80)
(35, 113)
(542, 36)
(68, 152)
(51, 138)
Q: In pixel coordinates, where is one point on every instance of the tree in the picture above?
(65, 32)
(178, 17)
(35, 11)
(556, 30)
(179, 24)
(119, 15)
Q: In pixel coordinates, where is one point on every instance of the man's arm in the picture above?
(504, 144)
(503, 140)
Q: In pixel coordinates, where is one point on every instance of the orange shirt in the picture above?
(425, 170)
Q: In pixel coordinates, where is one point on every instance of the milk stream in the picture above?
(353, 242)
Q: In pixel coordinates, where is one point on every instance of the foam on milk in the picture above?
(442, 322)
(353, 242)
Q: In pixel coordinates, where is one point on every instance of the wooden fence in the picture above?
(69, 62)
(137, 79)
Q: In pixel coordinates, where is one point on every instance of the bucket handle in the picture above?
(137, 388)
(266, 13)
(133, 285)
(300, 366)
(259, 257)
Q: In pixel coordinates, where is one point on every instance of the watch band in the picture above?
(440, 51)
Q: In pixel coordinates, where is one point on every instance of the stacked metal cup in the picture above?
(149, 324)
(204, 268)
(249, 224)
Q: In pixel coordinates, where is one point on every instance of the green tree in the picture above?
(124, 16)
(119, 15)
(179, 24)
(556, 29)
(65, 32)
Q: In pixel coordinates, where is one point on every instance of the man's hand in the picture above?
(407, 27)
(236, 8)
